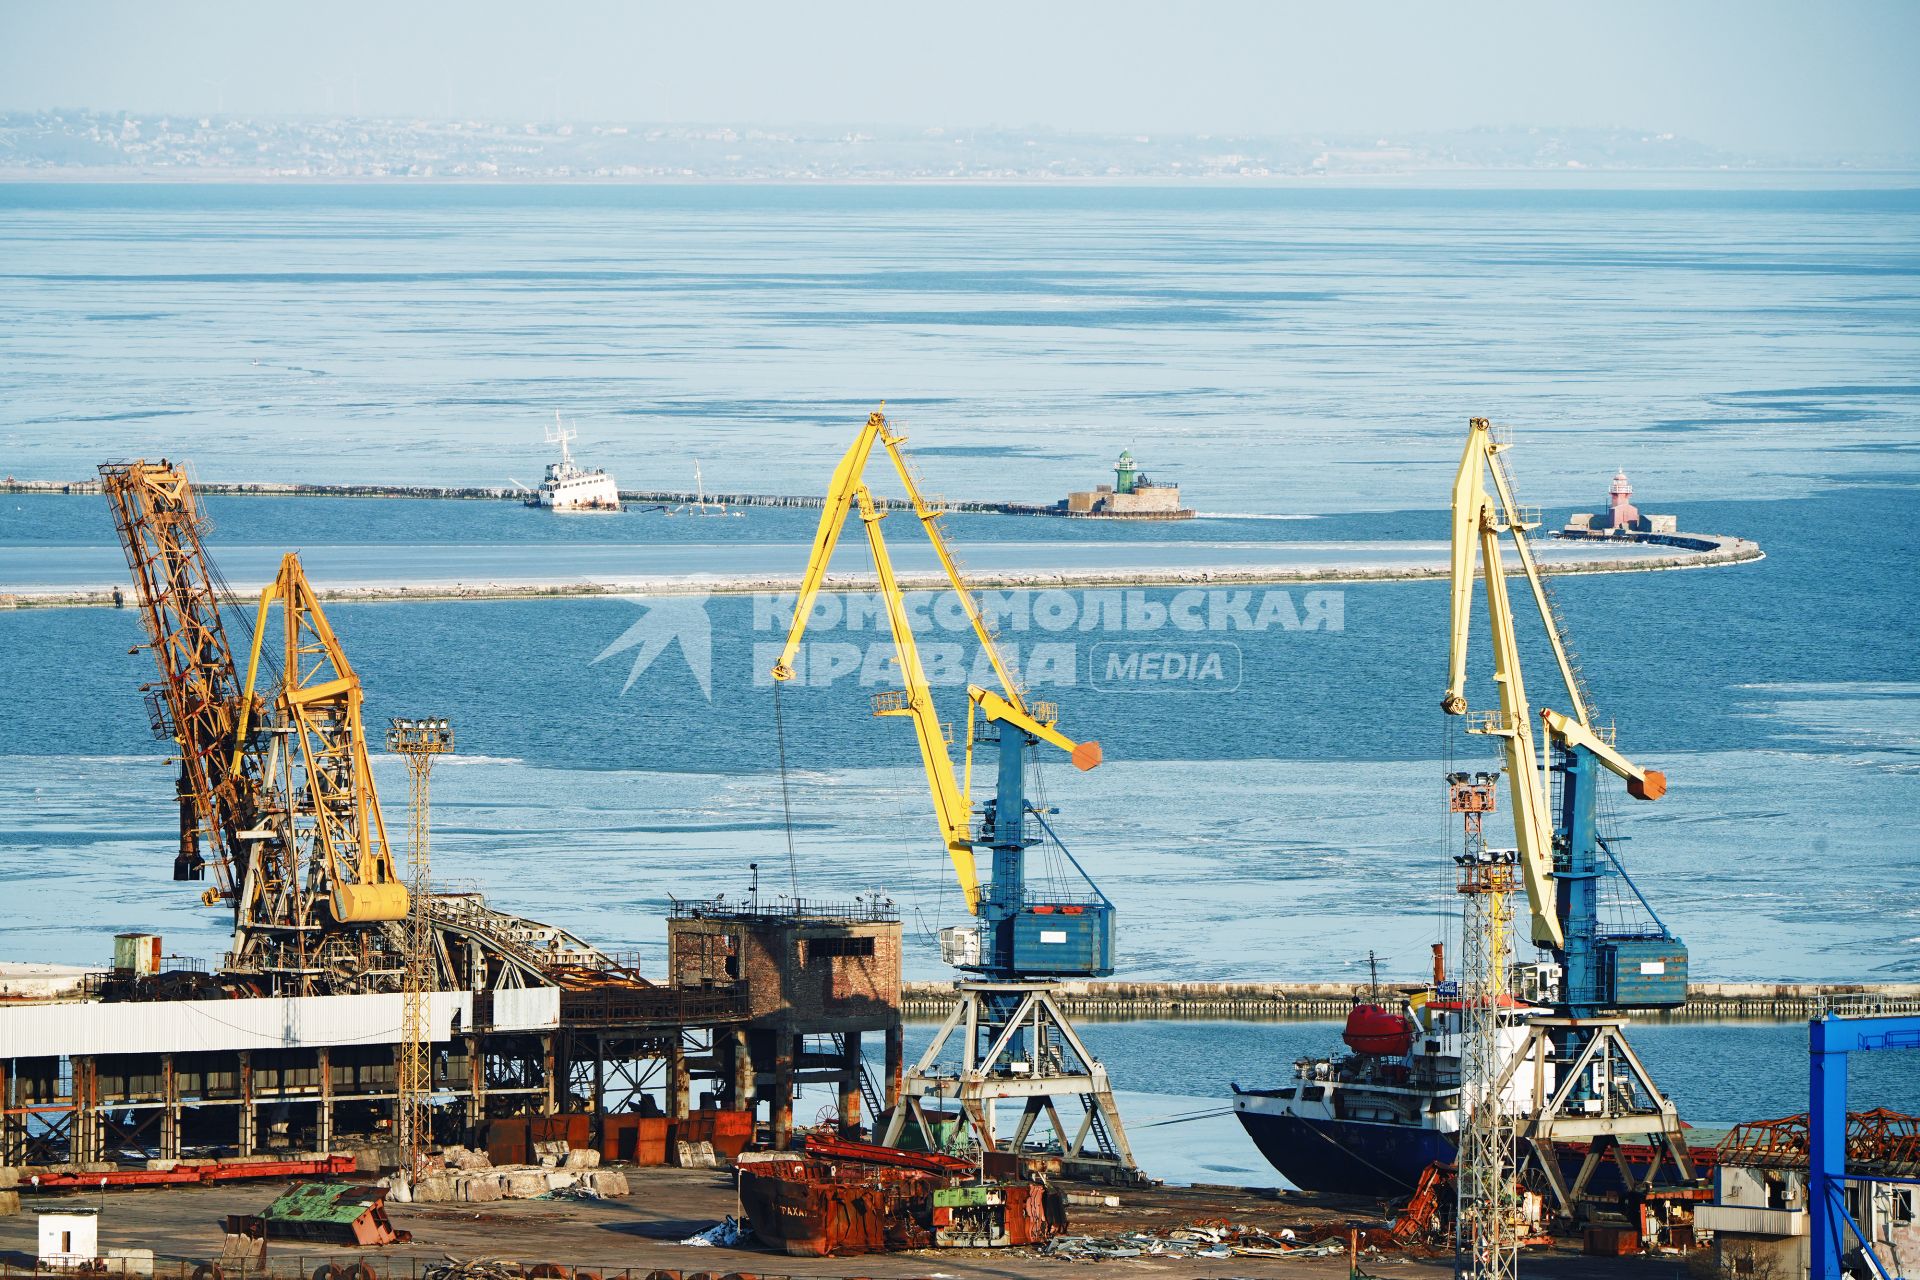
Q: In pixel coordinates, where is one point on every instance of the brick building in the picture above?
(818, 978)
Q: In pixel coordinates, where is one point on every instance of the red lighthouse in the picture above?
(1621, 513)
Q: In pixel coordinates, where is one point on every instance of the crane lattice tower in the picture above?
(419, 743)
(1487, 1226)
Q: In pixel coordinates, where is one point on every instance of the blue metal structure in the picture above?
(1604, 968)
(1831, 1041)
(1029, 933)
(1640, 965)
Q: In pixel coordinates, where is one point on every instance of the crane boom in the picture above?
(842, 495)
(1532, 829)
(950, 803)
(1473, 507)
(197, 701)
(1477, 526)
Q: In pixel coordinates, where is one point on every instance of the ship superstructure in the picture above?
(569, 486)
(1368, 1121)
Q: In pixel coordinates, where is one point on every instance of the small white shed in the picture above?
(69, 1237)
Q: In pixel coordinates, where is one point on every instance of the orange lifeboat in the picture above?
(1372, 1029)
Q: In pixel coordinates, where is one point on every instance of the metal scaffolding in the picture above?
(1488, 1225)
(418, 742)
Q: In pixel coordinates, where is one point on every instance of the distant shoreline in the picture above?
(1463, 179)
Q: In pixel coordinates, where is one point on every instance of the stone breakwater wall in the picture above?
(1716, 550)
(636, 497)
(1323, 1001)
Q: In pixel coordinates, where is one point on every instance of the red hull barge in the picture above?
(185, 1174)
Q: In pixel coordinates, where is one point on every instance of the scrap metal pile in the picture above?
(1879, 1142)
(453, 1268)
(841, 1197)
(1421, 1227)
(1198, 1240)
(466, 1176)
(1218, 1239)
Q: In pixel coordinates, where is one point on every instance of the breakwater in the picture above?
(1325, 1001)
(454, 493)
(1684, 551)
(1717, 551)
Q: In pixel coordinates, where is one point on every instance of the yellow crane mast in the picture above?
(322, 752)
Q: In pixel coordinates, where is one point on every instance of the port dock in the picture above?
(1330, 1001)
(86, 1081)
(638, 1238)
(365, 1024)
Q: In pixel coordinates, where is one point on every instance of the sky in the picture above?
(1765, 77)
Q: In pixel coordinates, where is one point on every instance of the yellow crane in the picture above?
(277, 802)
(1586, 1081)
(276, 798)
(337, 810)
(1010, 1039)
(1480, 516)
(952, 794)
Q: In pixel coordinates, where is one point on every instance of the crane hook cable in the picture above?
(786, 803)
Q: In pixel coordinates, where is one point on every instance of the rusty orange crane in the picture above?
(277, 800)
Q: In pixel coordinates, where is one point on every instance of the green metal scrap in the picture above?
(337, 1203)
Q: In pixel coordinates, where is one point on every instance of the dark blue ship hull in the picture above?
(1385, 1161)
(1353, 1157)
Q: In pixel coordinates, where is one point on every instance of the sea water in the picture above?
(1747, 357)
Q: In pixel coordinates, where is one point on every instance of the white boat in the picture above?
(569, 486)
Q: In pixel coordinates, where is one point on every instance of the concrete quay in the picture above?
(1321, 1001)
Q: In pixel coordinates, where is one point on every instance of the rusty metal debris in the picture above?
(726, 1234)
(1878, 1141)
(1197, 1240)
(472, 1269)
